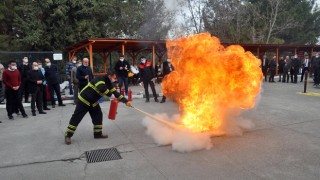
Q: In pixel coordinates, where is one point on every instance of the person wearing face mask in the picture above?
(12, 79)
(69, 67)
(35, 79)
(89, 102)
(147, 76)
(295, 65)
(51, 77)
(166, 68)
(122, 68)
(75, 81)
(316, 69)
(44, 88)
(24, 68)
(84, 73)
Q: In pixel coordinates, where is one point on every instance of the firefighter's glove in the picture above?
(129, 104)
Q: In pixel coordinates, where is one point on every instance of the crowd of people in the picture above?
(29, 79)
(145, 74)
(39, 84)
(290, 67)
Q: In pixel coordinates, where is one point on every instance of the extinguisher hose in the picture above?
(170, 124)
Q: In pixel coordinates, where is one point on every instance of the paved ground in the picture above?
(284, 145)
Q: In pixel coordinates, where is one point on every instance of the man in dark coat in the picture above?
(35, 79)
(88, 102)
(147, 76)
(264, 67)
(295, 65)
(84, 74)
(306, 63)
(166, 68)
(286, 68)
(281, 68)
(122, 68)
(316, 69)
(24, 68)
(272, 69)
(53, 82)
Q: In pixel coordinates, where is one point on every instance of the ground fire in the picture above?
(210, 80)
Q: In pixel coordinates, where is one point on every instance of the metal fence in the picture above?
(6, 56)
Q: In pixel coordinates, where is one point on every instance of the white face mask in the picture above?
(121, 59)
(74, 62)
(25, 60)
(295, 56)
(35, 68)
(143, 61)
(48, 64)
(13, 67)
(40, 66)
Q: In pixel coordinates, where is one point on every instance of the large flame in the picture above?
(210, 80)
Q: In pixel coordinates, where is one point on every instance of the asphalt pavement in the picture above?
(285, 143)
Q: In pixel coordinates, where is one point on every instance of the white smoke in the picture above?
(183, 140)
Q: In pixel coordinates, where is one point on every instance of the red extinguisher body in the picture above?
(113, 109)
(122, 92)
(129, 95)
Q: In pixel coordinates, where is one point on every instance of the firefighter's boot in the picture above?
(100, 136)
(69, 133)
(97, 132)
(67, 140)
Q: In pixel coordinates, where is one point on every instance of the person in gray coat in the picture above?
(75, 82)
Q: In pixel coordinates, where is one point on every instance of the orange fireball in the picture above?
(210, 80)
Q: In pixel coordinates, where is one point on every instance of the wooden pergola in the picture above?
(133, 47)
(105, 47)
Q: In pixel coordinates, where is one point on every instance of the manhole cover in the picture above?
(101, 155)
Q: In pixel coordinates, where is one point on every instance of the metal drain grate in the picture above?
(101, 155)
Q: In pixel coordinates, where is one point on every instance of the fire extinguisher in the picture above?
(122, 92)
(113, 109)
(129, 95)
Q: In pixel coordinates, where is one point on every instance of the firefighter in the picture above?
(88, 102)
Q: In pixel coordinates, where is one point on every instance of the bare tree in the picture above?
(192, 12)
(244, 21)
(269, 19)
